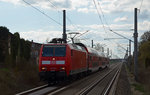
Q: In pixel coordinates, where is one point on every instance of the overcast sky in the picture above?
(82, 16)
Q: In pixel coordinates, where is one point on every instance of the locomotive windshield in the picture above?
(51, 50)
(47, 51)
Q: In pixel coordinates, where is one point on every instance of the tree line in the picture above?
(13, 49)
(144, 49)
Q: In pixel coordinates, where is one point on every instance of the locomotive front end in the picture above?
(53, 62)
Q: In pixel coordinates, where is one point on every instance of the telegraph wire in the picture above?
(42, 13)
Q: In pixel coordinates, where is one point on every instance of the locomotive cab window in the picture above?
(47, 51)
(52, 50)
(60, 51)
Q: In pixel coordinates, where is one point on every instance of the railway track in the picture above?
(41, 90)
(100, 85)
(85, 86)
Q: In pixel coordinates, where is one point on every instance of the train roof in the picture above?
(72, 46)
(55, 44)
(81, 47)
(76, 47)
(94, 51)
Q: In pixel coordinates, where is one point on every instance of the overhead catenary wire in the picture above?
(141, 4)
(68, 19)
(66, 16)
(77, 28)
(115, 43)
(121, 35)
(99, 15)
(42, 13)
(104, 16)
(53, 5)
(72, 23)
(83, 33)
(109, 25)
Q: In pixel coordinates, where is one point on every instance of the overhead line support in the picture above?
(135, 46)
(64, 27)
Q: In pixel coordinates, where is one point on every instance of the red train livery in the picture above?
(64, 60)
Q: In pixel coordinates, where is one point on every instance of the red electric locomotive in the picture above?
(61, 60)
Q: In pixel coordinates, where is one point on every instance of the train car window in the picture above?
(60, 51)
(90, 57)
(99, 59)
(71, 52)
(47, 51)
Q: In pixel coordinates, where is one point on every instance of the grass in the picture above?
(139, 87)
(143, 83)
(4, 69)
(22, 77)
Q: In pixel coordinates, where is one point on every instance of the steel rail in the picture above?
(112, 82)
(89, 88)
(32, 90)
(54, 92)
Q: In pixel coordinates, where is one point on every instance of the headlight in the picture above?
(62, 68)
(44, 68)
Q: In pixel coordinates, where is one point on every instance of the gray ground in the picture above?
(123, 85)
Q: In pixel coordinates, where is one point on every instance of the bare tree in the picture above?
(145, 36)
(47, 40)
(99, 47)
